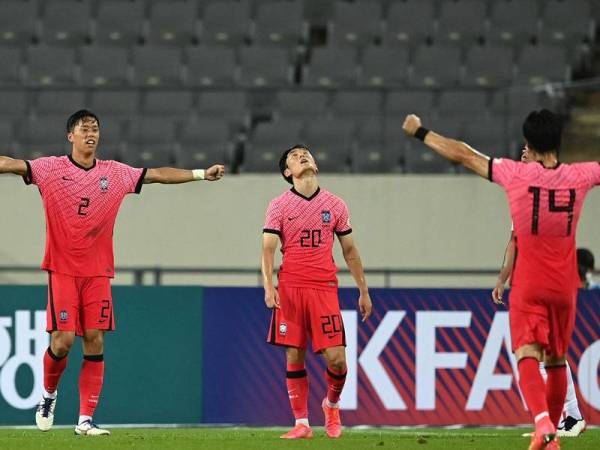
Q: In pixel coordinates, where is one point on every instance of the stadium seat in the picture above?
(47, 66)
(119, 22)
(463, 104)
(226, 22)
(151, 142)
(60, 102)
(436, 66)
(301, 103)
(419, 158)
(331, 67)
(167, 103)
(268, 141)
(104, 66)
(49, 130)
(384, 66)
(109, 146)
(355, 23)
(10, 69)
(370, 155)
(516, 103)
(13, 103)
(211, 66)
(228, 106)
(7, 136)
(204, 141)
(489, 66)
(566, 22)
(173, 22)
(488, 136)
(21, 31)
(330, 141)
(280, 22)
(66, 22)
(539, 64)
(154, 66)
(409, 22)
(353, 103)
(401, 103)
(123, 104)
(461, 21)
(265, 66)
(514, 22)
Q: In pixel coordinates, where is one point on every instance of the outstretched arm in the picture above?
(170, 175)
(267, 262)
(10, 165)
(505, 271)
(354, 263)
(452, 150)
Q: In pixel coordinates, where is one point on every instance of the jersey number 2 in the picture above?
(553, 207)
(85, 202)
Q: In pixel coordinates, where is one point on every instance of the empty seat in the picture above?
(226, 22)
(539, 64)
(157, 65)
(122, 104)
(513, 22)
(489, 66)
(419, 158)
(10, 69)
(384, 66)
(566, 21)
(60, 102)
(104, 66)
(17, 31)
(265, 66)
(50, 65)
(109, 145)
(211, 66)
(330, 141)
(204, 141)
(409, 22)
(488, 136)
(436, 66)
(7, 136)
(461, 20)
(66, 21)
(331, 67)
(401, 103)
(516, 103)
(463, 104)
(279, 22)
(355, 23)
(173, 22)
(173, 103)
(47, 131)
(13, 103)
(371, 155)
(228, 106)
(151, 142)
(306, 104)
(119, 22)
(268, 141)
(353, 103)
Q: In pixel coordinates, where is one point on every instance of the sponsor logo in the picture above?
(63, 316)
(326, 216)
(103, 184)
(283, 329)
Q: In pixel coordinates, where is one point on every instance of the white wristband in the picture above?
(198, 174)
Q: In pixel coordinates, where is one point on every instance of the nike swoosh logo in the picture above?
(67, 179)
(331, 336)
(292, 218)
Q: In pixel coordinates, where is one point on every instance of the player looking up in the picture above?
(305, 303)
(81, 197)
(545, 199)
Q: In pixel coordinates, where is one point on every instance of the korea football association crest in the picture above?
(63, 316)
(104, 184)
(283, 329)
(326, 216)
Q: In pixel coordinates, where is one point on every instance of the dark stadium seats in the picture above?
(154, 66)
(167, 103)
(384, 66)
(265, 66)
(330, 141)
(226, 22)
(50, 66)
(489, 66)
(436, 66)
(21, 31)
(10, 69)
(298, 103)
(370, 154)
(268, 141)
(356, 104)
(13, 103)
(488, 136)
(419, 158)
(6, 135)
(355, 23)
(540, 64)
(211, 66)
(401, 103)
(119, 22)
(60, 102)
(514, 22)
(151, 142)
(104, 66)
(566, 22)
(230, 106)
(280, 23)
(461, 21)
(331, 67)
(204, 141)
(66, 22)
(46, 134)
(173, 22)
(123, 104)
(409, 22)
(463, 104)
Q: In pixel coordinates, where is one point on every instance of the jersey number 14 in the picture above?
(552, 207)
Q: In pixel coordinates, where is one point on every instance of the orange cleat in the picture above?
(333, 424)
(300, 431)
(545, 436)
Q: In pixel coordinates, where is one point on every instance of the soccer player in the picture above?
(545, 199)
(586, 263)
(81, 197)
(573, 424)
(305, 303)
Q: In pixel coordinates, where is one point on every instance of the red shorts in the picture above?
(79, 304)
(545, 317)
(307, 312)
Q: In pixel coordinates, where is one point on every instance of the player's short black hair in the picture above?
(79, 115)
(585, 262)
(283, 160)
(543, 131)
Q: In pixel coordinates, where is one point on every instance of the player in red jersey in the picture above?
(545, 199)
(81, 197)
(305, 303)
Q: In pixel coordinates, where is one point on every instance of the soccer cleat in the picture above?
(89, 428)
(571, 427)
(44, 414)
(545, 434)
(333, 424)
(554, 445)
(300, 431)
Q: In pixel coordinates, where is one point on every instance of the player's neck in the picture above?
(549, 160)
(83, 159)
(307, 185)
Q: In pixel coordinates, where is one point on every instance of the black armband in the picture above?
(421, 133)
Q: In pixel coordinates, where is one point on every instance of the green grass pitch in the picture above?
(267, 438)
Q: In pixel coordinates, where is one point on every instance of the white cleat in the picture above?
(571, 427)
(89, 428)
(44, 414)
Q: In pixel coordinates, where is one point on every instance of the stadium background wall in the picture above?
(194, 355)
(407, 221)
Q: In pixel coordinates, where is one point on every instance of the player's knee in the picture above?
(338, 363)
(93, 342)
(61, 343)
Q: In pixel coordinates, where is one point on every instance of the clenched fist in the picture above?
(411, 124)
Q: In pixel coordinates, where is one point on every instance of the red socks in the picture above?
(556, 391)
(532, 386)
(54, 367)
(297, 386)
(90, 383)
(335, 384)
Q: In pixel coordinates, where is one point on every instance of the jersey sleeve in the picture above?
(592, 172)
(131, 178)
(342, 223)
(39, 170)
(502, 171)
(274, 218)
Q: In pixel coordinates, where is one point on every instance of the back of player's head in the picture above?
(543, 131)
(283, 160)
(77, 116)
(585, 259)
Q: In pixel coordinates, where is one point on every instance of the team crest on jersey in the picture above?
(63, 316)
(326, 215)
(103, 184)
(283, 329)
